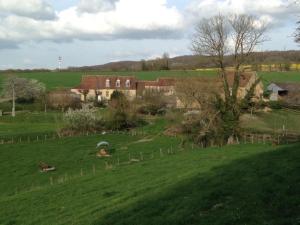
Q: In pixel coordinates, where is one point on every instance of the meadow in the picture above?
(243, 184)
(151, 179)
(55, 80)
(277, 121)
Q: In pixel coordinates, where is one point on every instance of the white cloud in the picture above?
(94, 6)
(131, 19)
(277, 11)
(36, 9)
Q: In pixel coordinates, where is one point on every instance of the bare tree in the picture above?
(235, 36)
(197, 92)
(297, 33)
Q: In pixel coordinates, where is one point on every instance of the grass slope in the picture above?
(29, 124)
(274, 121)
(247, 184)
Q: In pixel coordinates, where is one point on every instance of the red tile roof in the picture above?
(99, 82)
(161, 82)
(244, 78)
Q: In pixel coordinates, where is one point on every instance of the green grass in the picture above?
(274, 121)
(246, 184)
(54, 80)
(292, 76)
(29, 124)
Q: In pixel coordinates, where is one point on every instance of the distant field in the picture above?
(55, 80)
(292, 76)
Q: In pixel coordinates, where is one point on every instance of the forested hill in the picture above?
(193, 62)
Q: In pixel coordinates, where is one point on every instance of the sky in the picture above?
(34, 33)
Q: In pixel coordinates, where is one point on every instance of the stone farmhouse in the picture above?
(101, 87)
(247, 80)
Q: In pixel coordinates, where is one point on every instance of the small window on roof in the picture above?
(127, 84)
(107, 83)
(118, 83)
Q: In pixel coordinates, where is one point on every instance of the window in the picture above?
(107, 83)
(118, 83)
(107, 94)
(127, 84)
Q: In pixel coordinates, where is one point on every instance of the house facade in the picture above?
(247, 80)
(100, 88)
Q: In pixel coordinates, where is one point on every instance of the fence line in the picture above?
(54, 136)
(139, 157)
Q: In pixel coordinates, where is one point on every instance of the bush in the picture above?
(275, 104)
(152, 103)
(267, 94)
(122, 117)
(82, 120)
(63, 100)
(203, 128)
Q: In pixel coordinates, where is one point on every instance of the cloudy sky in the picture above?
(34, 33)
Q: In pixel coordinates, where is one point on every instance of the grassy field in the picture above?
(30, 124)
(275, 121)
(55, 80)
(246, 184)
(293, 76)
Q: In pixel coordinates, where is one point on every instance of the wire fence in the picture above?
(117, 160)
(33, 138)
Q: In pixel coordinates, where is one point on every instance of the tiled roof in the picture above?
(244, 78)
(289, 86)
(161, 82)
(99, 82)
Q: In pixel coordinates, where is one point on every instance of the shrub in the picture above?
(82, 120)
(203, 128)
(62, 99)
(275, 104)
(152, 103)
(122, 116)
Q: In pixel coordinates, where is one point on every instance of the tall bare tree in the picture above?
(297, 33)
(235, 36)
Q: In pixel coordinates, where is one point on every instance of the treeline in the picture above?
(258, 61)
(265, 61)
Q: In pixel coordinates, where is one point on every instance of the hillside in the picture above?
(189, 62)
(246, 184)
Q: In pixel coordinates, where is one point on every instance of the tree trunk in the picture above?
(13, 111)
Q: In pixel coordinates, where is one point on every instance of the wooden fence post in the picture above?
(141, 155)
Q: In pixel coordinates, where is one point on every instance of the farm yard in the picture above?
(149, 112)
(151, 177)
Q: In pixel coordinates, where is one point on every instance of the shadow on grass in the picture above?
(260, 190)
